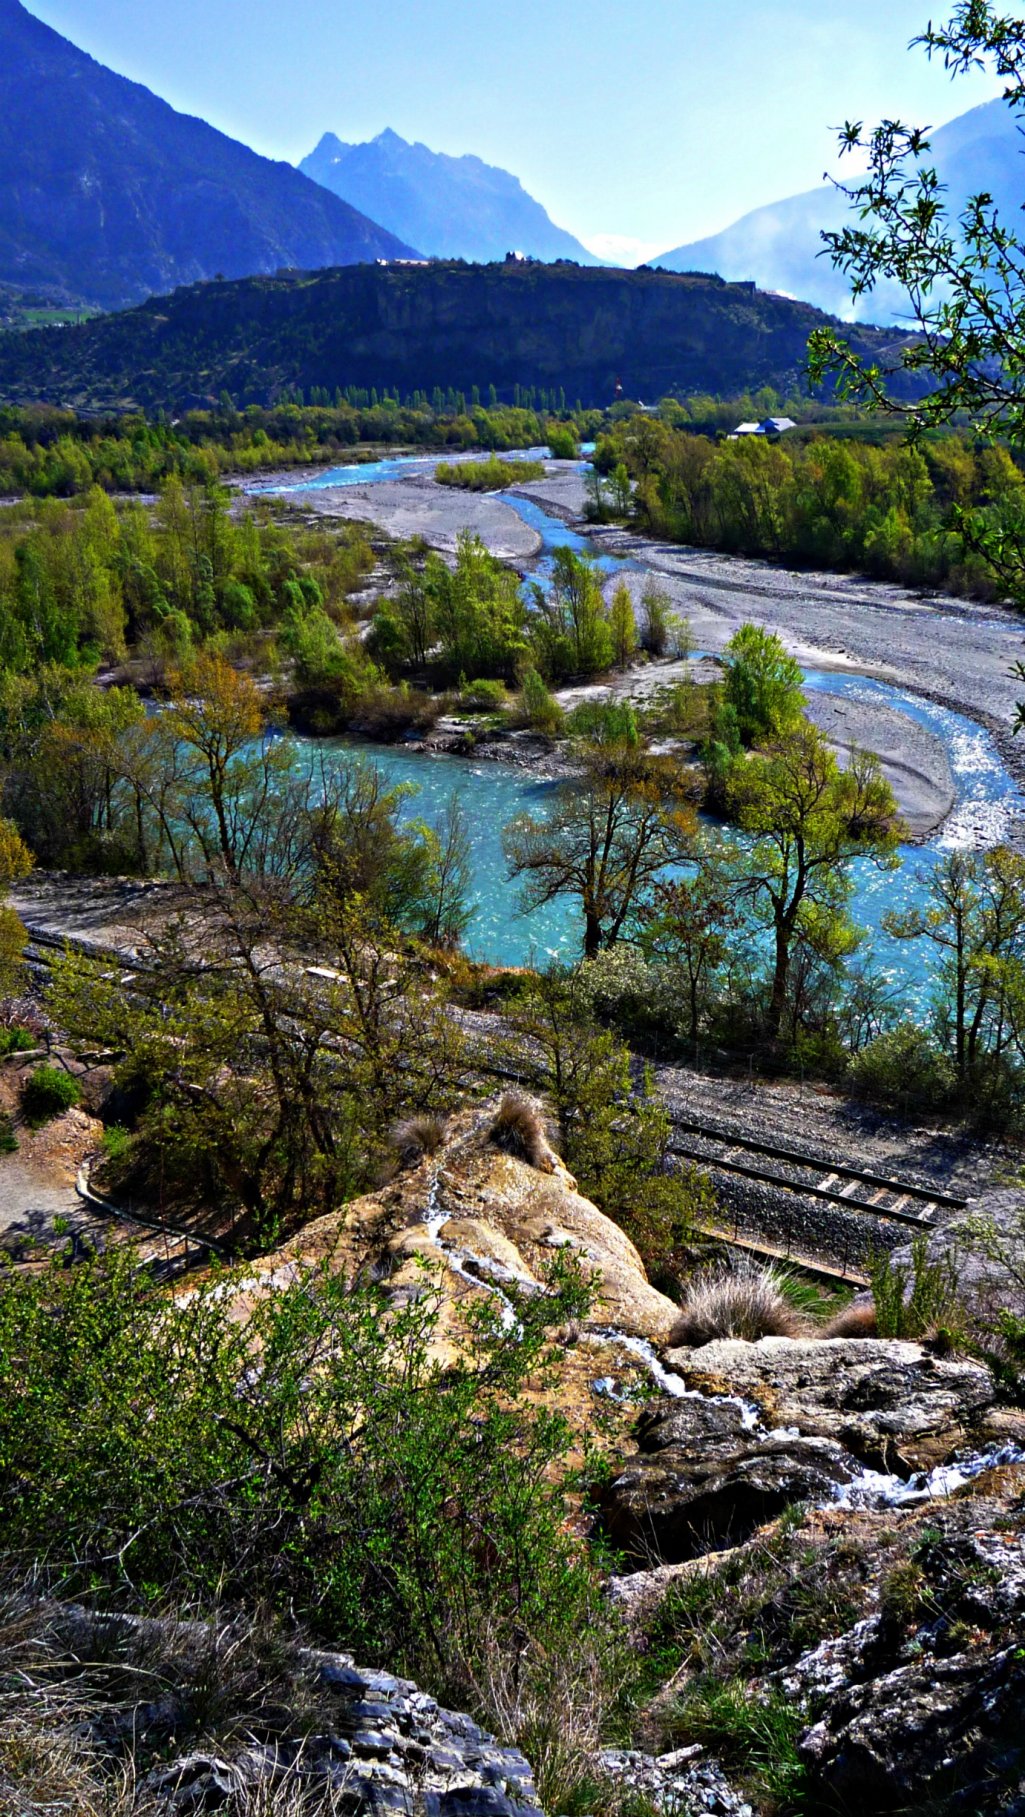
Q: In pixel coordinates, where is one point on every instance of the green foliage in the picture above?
(117, 1143)
(16, 1041)
(314, 1455)
(914, 1298)
(484, 696)
(8, 1139)
(48, 1092)
(763, 686)
(754, 1733)
(491, 475)
(570, 628)
(539, 708)
(948, 512)
(562, 443)
(904, 1067)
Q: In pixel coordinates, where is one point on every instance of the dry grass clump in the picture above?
(416, 1137)
(746, 1303)
(519, 1129)
(70, 1687)
(858, 1320)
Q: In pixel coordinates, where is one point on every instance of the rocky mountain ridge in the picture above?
(451, 207)
(108, 195)
(780, 244)
(449, 325)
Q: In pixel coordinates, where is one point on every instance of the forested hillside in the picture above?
(418, 327)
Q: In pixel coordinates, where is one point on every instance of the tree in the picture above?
(763, 685)
(570, 627)
(15, 862)
(809, 819)
(622, 626)
(689, 923)
(975, 919)
(963, 273)
(612, 829)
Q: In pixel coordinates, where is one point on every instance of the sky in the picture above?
(640, 124)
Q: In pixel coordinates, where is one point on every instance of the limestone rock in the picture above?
(703, 1480)
(892, 1404)
(937, 1729)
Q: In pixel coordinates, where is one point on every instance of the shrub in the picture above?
(48, 1092)
(519, 1130)
(745, 1302)
(116, 1142)
(16, 1041)
(416, 1137)
(316, 1457)
(483, 696)
(538, 708)
(8, 1139)
(903, 1067)
(915, 1297)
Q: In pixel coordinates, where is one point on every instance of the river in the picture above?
(987, 796)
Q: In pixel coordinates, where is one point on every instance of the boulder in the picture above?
(942, 1733)
(892, 1404)
(702, 1480)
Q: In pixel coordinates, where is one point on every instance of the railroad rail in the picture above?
(793, 1172)
(851, 1188)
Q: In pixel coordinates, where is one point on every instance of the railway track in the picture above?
(856, 1189)
(795, 1173)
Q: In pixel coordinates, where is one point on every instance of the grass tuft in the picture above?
(519, 1129)
(744, 1302)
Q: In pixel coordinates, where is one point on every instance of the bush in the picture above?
(903, 1068)
(116, 1142)
(316, 1456)
(538, 708)
(48, 1092)
(8, 1139)
(739, 1303)
(519, 1129)
(483, 696)
(917, 1297)
(17, 1041)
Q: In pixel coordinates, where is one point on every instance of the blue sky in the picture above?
(656, 120)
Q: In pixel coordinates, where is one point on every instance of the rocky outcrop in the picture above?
(920, 1705)
(891, 1404)
(389, 1749)
(298, 1725)
(703, 1479)
(478, 1226)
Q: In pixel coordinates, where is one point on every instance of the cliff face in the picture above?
(424, 326)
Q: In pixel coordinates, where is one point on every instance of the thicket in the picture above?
(53, 453)
(927, 515)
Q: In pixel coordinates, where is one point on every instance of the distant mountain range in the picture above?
(453, 208)
(419, 326)
(108, 195)
(780, 247)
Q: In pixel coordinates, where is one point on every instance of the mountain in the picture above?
(780, 247)
(416, 327)
(454, 208)
(108, 195)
